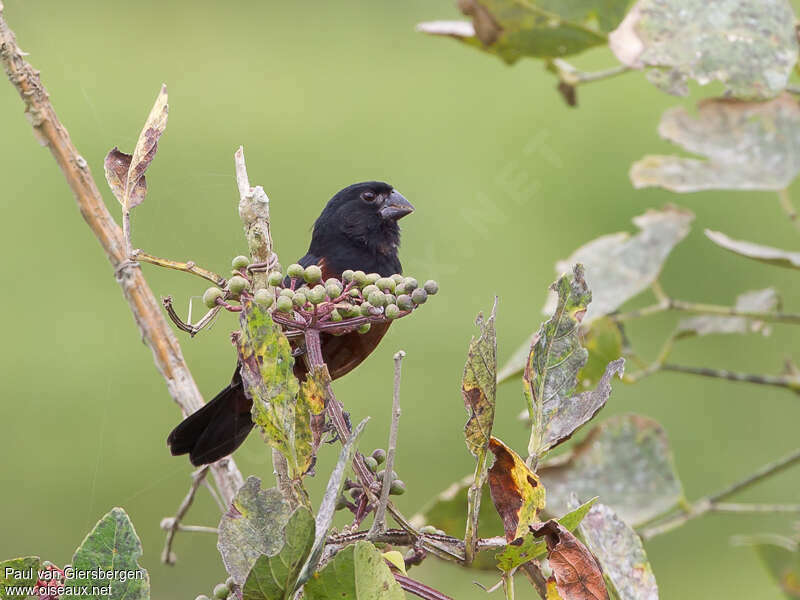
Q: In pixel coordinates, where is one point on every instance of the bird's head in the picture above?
(364, 215)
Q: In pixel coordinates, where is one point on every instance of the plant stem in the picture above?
(379, 522)
(574, 76)
(533, 572)
(706, 309)
(173, 525)
(712, 502)
(508, 584)
(254, 213)
(419, 589)
(186, 267)
(782, 381)
(474, 507)
(788, 207)
(154, 329)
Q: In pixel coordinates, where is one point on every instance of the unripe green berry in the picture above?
(428, 529)
(295, 270)
(354, 293)
(400, 289)
(364, 328)
(366, 309)
(284, 304)
(352, 311)
(398, 278)
(264, 298)
(275, 278)
(377, 299)
(360, 278)
(333, 289)
(341, 502)
(410, 284)
(299, 299)
(383, 471)
(371, 463)
(431, 287)
(286, 292)
(312, 274)
(317, 294)
(398, 488)
(379, 454)
(347, 275)
(210, 296)
(386, 283)
(355, 493)
(391, 299)
(336, 316)
(202, 597)
(391, 311)
(419, 296)
(229, 582)
(237, 285)
(404, 302)
(373, 277)
(221, 591)
(240, 262)
(368, 289)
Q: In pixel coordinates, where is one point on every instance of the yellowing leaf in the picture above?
(395, 558)
(516, 491)
(478, 386)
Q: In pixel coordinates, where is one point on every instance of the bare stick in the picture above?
(173, 524)
(782, 381)
(379, 523)
(254, 213)
(574, 76)
(154, 329)
(706, 309)
(788, 207)
(708, 503)
(420, 590)
(186, 267)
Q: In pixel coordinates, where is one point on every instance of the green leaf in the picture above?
(358, 572)
(268, 378)
(531, 547)
(396, 559)
(765, 254)
(274, 577)
(111, 546)
(781, 557)
(626, 461)
(602, 339)
(448, 510)
(21, 572)
(512, 29)
(621, 554)
(745, 145)
(765, 301)
(327, 508)
(748, 45)
(252, 526)
(620, 266)
(479, 385)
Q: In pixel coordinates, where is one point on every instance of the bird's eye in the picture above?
(368, 196)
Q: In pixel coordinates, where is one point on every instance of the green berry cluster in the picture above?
(221, 591)
(355, 490)
(300, 291)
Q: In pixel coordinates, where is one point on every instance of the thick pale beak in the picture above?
(395, 207)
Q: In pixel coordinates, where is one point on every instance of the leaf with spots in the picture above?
(626, 461)
(275, 577)
(517, 493)
(479, 387)
(511, 29)
(357, 572)
(748, 45)
(111, 546)
(781, 557)
(744, 145)
(530, 547)
(252, 526)
(621, 554)
(765, 254)
(267, 375)
(16, 572)
(577, 573)
(756, 301)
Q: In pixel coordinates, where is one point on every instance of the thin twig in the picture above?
(173, 524)
(706, 309)
(782, 381)
(154, 329)
(731, 507)
(254, 213)
(379, 522)
(419, 589)
(533, 572)
(186, 267)
(574, 76)
(788, 207)
(711, 502)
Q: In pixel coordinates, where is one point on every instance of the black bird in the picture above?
(357, 230)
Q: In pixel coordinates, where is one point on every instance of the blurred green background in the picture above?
(506, 180)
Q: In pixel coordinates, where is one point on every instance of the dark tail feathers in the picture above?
(216, 430)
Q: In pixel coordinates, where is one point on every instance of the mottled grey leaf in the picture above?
(479, 385)
(22, 572)
(765, 254)
(275, 577)
(146, 146)
(620, 552)
(746, 145)
(620, 266)
(626, 461)
(512, 29)
(252, 526)
(763, 301)
(748, 45)
(327, 508)
(111, 546)
(116, 165)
